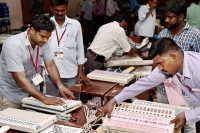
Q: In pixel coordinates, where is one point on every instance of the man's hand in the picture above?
(133, 52)
(179, 121)
(152, 92)
(52, 101)
(66, 93)
(108, 108)
(152, 5)
(82, 77)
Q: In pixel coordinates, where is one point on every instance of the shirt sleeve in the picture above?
(80, 49)
(153, 79)
(83, 8)
(46, 52)
(122, 40)
(196, 44)
(193, 115)
(141, 14)
(13, 57)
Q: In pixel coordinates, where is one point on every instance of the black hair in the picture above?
(175, 6)
(158, 10)
(162, 46)
(42, 22)
(122, 15)
(58, 2)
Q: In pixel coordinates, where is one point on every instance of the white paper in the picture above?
(37, 79)
(64, 129)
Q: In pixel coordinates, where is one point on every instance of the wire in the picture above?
(91, 119)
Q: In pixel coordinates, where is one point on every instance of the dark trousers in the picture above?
(92, 64)
(198, 127)
(88, 33)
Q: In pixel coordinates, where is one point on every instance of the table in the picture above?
(78, 114)
(117, 89)
(98, 88)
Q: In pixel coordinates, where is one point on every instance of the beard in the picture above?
(171, 27)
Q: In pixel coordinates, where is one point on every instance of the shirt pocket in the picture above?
(69, 42)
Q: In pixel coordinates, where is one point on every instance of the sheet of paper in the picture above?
(55, 128)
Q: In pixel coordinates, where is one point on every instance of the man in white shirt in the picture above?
(106, 41)
(146, 23)
(111, 8)
(66, 47)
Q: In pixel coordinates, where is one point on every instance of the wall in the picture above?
(15, 13)
(72, 7)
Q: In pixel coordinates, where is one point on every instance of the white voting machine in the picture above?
(25, 121)
(127, 61)
(142, 117)
(142, 72)
(121, 78)
(69, 105)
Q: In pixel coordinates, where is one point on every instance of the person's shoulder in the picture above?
(74, 21)
(163, 32)
(15, 40)
(194, 31)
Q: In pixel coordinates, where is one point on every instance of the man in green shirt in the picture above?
(193, 17)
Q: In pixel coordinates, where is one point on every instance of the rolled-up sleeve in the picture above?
(122, 40)
(153, 79)
(142, 13)
(80, 49)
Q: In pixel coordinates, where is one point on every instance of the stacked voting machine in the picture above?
(69, 105)
(142, 117)
(127, 61)
(25, 121)
(142, 72)
(121, 78)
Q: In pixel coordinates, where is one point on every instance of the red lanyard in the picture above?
(35, 65)
(179, 78)
(58, 40)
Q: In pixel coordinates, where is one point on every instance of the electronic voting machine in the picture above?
(127, 61)
(69, 105)
(26, 121)
(121, 78)
(142, 117)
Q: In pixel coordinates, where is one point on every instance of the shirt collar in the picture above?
(187, 26)
(27, 41)
(186, 68)
(115, 22)
(67, 21)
